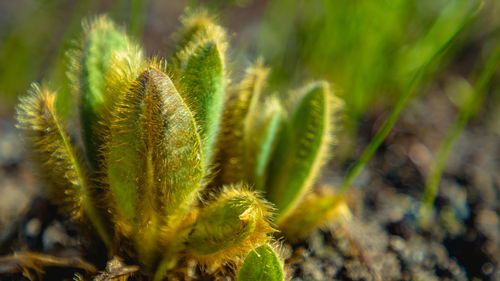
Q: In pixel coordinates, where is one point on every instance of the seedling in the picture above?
(279, 144)
(146, 142)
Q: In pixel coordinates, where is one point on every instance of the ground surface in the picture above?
(381, 242)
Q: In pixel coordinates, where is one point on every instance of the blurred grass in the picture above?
(422, 69)
(369, 49)
(470, 107)
(34, 41)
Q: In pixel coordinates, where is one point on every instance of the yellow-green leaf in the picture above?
(59, 162)
(154, 158)
(261, 264)
(232, 224)
(301, 149)
(89, 64)
(201, 79)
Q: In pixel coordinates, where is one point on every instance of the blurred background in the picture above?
(370, 50)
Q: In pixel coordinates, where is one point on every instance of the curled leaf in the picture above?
(261, 129)
(59, 161)
(233, 224)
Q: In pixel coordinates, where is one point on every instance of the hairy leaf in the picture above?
(262, 264)
(261, 128)
(323, 207)
(154, 161)
(201, 78)
(230, 160)
(58, 160)
(302, 148)
(101, 42)
(195, 22)
(233, 224)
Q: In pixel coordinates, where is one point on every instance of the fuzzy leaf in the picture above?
(233, 224)
(302, 148)
(124, 68)
(261, 128)
(316, 209)
(202, 80)
(59, 162)
(262, 264)
(154, 162)
(230, 148)
(90, 63)
(194, 23)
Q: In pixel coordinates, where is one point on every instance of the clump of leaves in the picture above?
(138, 169)
(166, 167)
(279, 144)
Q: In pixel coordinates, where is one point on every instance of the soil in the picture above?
(383, 241)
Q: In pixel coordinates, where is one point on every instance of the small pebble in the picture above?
(33, 227)
(418, 256)
(397, 243)
(54, 235)
(487, 268)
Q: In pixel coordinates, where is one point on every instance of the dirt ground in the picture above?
(381, 242)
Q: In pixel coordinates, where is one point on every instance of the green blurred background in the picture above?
(369, 49)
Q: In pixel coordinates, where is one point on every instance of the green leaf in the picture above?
(230, 143)
(262, 264)
(413, 84)
(232, 224)
(474, 101)
(89, 65)
(202, 80)
(302, 148)
(261, 128)
(452, 18)
(154, 158)
(194, 22)
(322, 207)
